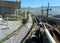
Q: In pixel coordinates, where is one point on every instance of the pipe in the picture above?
(50, 38)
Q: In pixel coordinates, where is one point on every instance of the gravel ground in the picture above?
(22, 33)
(19, 37)
(13, 25)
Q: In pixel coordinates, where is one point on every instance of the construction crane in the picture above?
(42, 11)
(47, 14)
(48, 10)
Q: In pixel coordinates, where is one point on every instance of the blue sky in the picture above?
(39, 3)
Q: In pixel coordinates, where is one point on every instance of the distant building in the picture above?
(8, 7)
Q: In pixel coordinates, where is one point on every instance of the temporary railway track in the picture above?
(37, 34)
(54, 32)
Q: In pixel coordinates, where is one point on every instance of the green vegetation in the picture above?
(25, 20)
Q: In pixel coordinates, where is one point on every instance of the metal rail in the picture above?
(50, 38)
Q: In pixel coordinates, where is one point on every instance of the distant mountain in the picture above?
(55, 10)
(32, 9)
